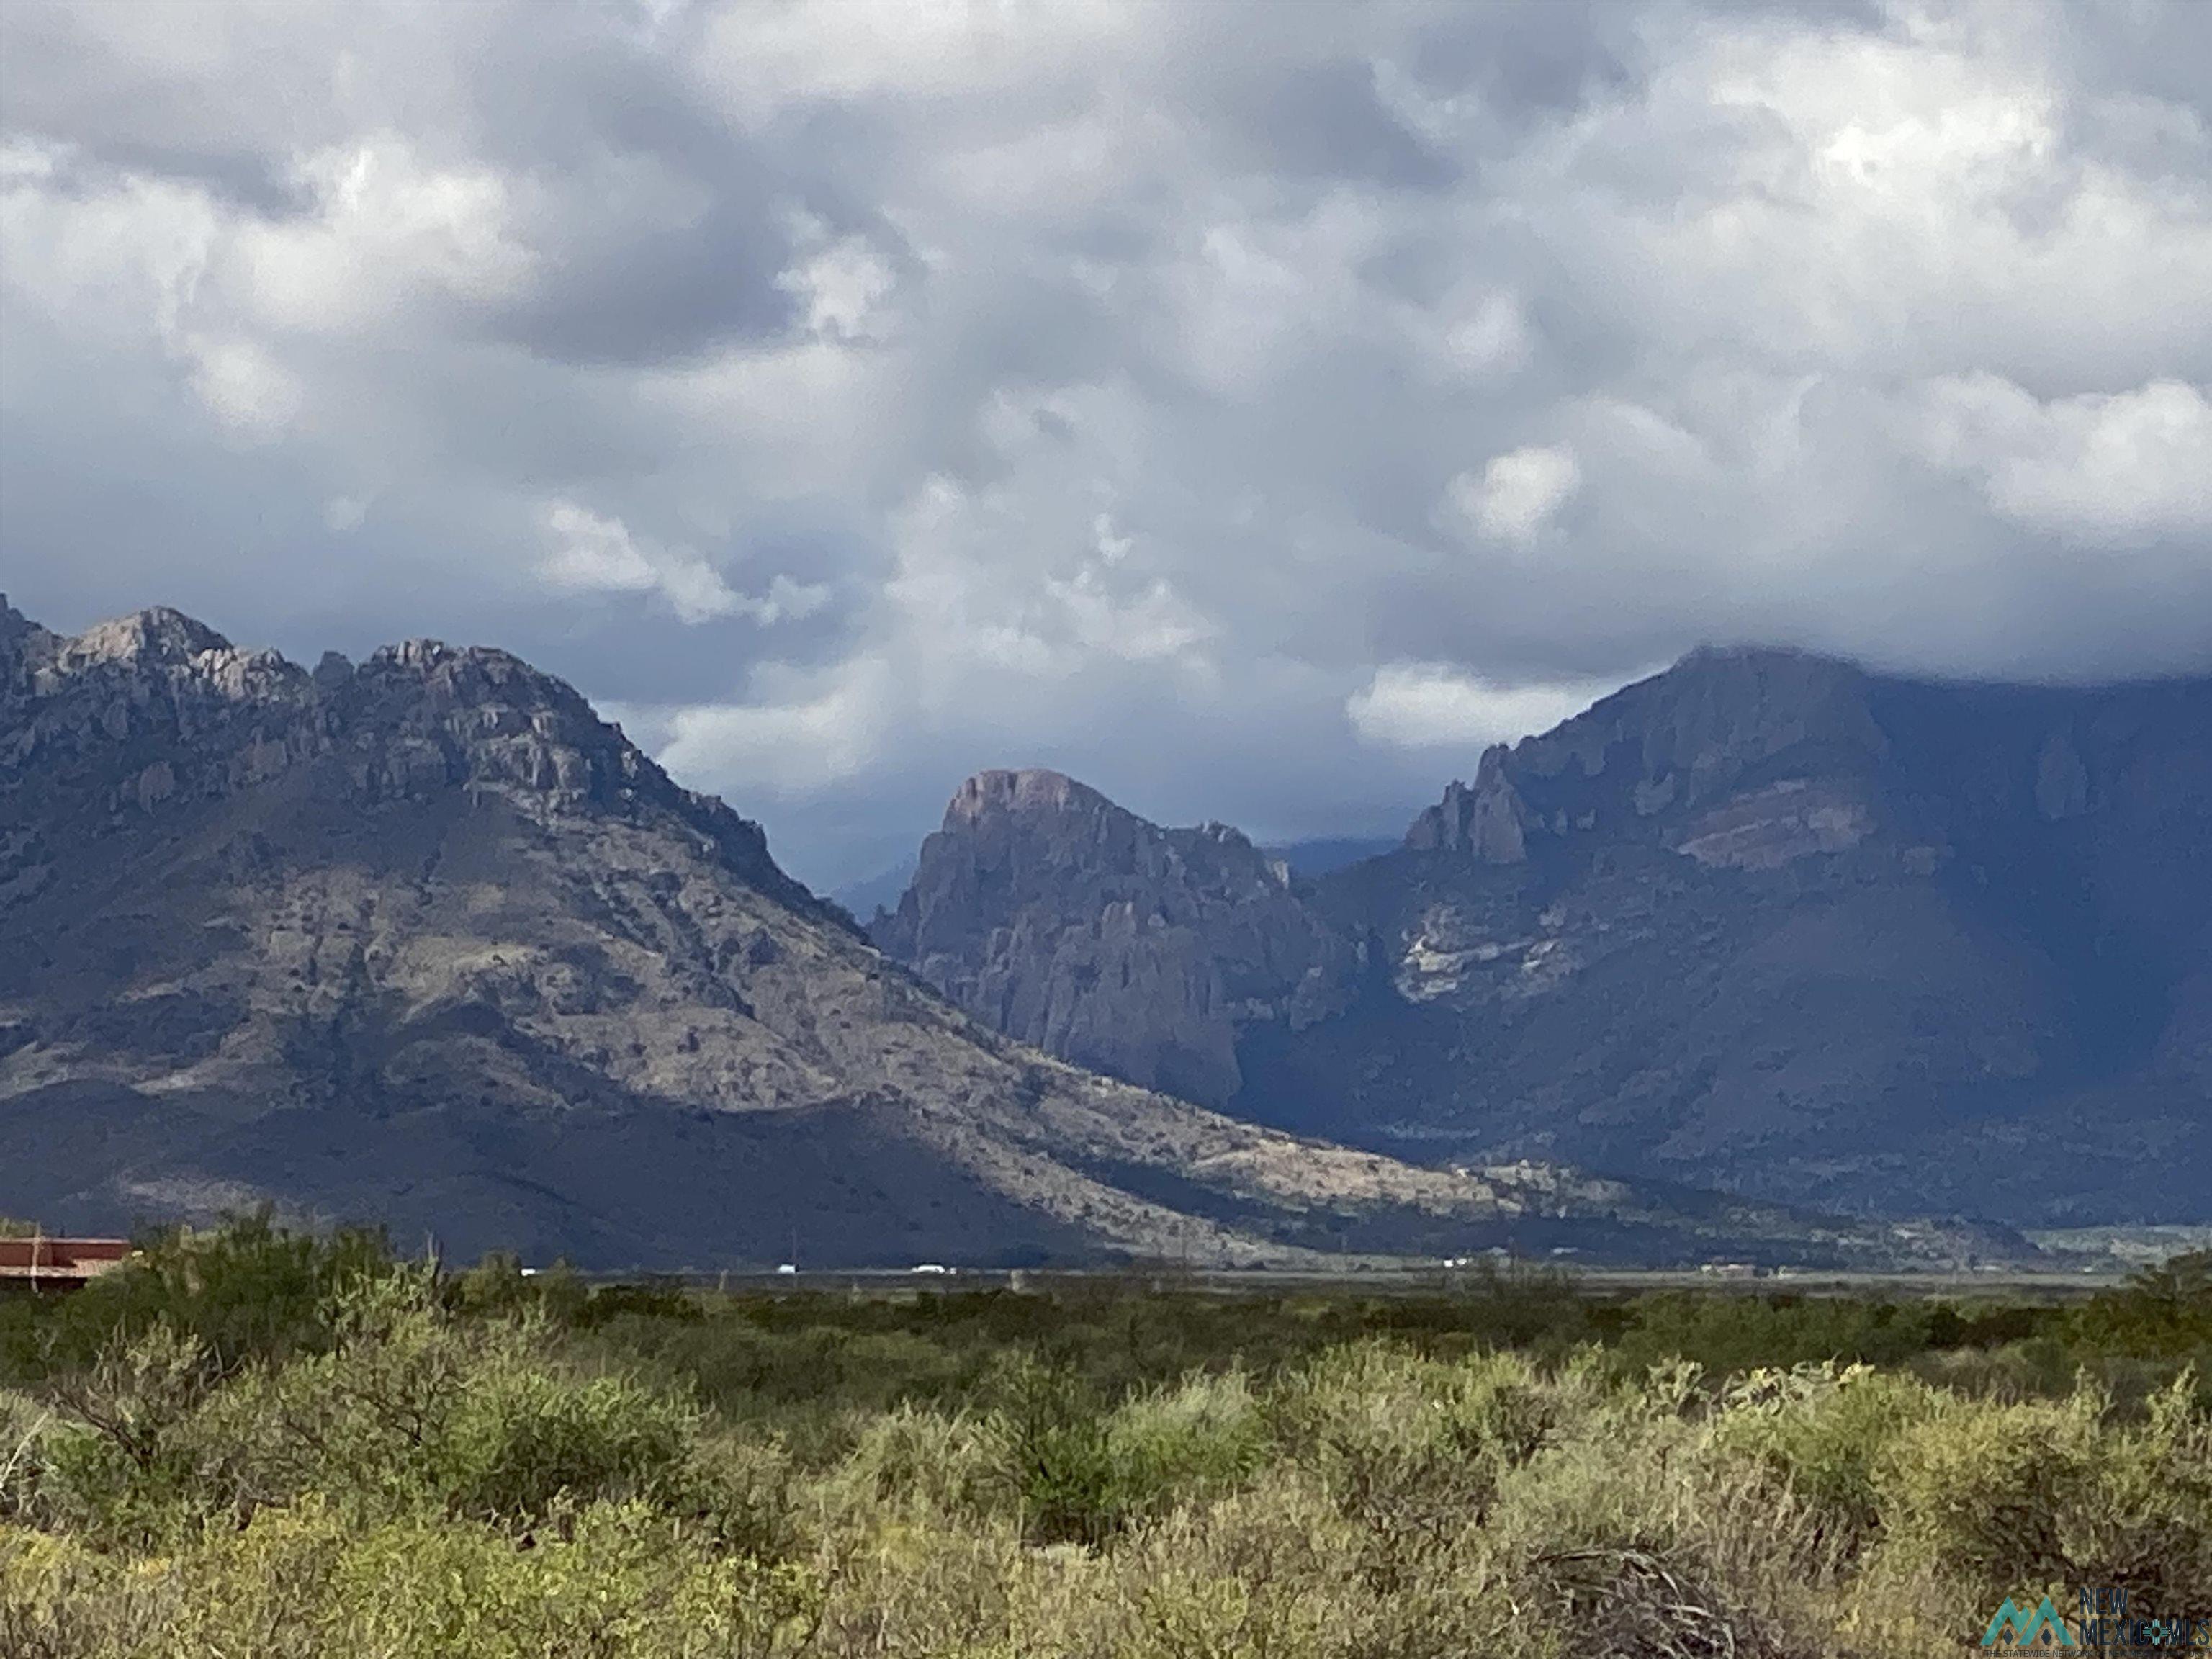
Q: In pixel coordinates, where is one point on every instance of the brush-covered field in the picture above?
(250, 1443)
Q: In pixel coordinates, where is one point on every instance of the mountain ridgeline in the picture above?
(1765, 921)
(422, 942)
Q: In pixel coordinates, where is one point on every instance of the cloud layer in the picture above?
(1253, 420)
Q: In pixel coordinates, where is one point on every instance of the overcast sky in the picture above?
(1252, 411)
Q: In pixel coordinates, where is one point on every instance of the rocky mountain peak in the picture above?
(146, 659)
(1717, 711)
(152, 712)
(486, 701)
(1060, 917)
(1025, 790)
(157, 635)
(1763, 900)
(14, 622)
(1488, 820)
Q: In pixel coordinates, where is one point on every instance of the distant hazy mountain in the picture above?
(1766, 921)
(424, 942)
(878, 892)
(1319, 857)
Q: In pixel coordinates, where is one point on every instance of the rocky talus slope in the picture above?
(421, 941)
(1767, 922)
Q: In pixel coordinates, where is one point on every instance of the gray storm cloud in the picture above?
(1253, 414)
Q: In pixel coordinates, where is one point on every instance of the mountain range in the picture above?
(1766, 922)
(421, 941)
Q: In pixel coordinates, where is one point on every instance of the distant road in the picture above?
(1402, 1281)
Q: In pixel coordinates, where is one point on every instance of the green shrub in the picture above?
(739, 1494)
(306, 1582)
(518, 1438)
(115, 1466)
(359, 1424)
(953, 1466)
(2148, 1526)
(24, 1426)
(2002, 1497)
(1053, 1427)
(1826, 1433)
(2164, 1310)
(1168, 1446)
(1983, 1492)
(657, 1299)
(404, 1463)
(1738, 1332)
(408, 1408)
(1410, 1448)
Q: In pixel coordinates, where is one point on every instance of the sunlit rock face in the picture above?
(156, 711)
(1066, 921)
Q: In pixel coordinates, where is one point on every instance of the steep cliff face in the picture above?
(425, 943)
(1771, 920)
(1746, 759)
(1057, 917)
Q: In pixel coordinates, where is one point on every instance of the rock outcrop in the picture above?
(1063, 921)
(1488, 821)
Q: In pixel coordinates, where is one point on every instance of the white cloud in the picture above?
(1142, 626)
(594, 554)
(1517, 493)
(843, 286)
(1492, 337)
(2098, 468)
(1415, 705)
(1113, 547)
(245, 387)
(805, 734)
(387, 227)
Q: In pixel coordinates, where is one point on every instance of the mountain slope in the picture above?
(424, 942)
(1770, 923)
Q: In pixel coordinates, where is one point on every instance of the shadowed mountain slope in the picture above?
(1765, 921)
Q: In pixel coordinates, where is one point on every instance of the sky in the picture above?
(1254, 412)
